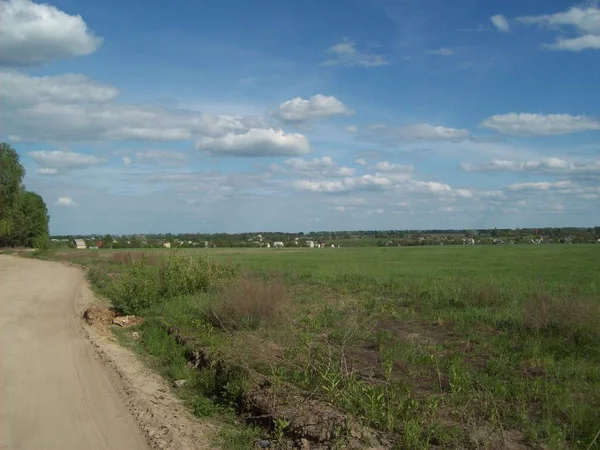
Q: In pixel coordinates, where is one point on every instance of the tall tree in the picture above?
(11, 175)
(23, 214)
(30, 219)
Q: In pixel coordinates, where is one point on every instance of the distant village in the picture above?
(335, 239)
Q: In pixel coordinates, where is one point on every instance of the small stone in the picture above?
(121, 321)
(179, 383)
(135, 335)
(304, 444)
(263, 443)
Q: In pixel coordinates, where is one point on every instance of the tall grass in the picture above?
(142, 282)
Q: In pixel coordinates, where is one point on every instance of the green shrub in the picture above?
(137, 287)
(142, 281)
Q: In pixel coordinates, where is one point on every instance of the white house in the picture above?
(79, 244)
(278, 244)
(167, 245)
(311, 244)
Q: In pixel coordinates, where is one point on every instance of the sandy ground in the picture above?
(68, 386)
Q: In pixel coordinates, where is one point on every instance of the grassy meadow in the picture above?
(417, 347)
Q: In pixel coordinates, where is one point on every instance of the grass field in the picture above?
(449, 347)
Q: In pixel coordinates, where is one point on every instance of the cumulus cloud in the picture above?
(413, 133)
(65, 201)
(360, 162)
(525, 124)
(364, 182)
(547, 165)
(501, 23)
(346, 54)
(32, 34)
(47, 171)
(53, 162)
(385, 166)
(540, 186)
(24, 90)
(256, 142)
(583, 20)
(322, 167)
(299, 110)
(73, 108)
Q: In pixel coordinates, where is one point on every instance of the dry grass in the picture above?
(569, 315)
(249, 303)
(129, 257)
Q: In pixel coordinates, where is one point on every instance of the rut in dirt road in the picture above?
(54, 393)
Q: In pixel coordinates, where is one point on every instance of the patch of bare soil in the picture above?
(163, 419)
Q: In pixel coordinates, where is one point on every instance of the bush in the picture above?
(137, 287)
(143, 281)
(249, 303)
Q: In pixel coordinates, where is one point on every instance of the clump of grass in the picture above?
(249, 303)
(144, 281)
(572, 316)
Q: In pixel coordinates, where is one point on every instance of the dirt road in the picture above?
(54, 393)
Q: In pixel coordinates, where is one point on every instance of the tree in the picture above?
(11, 175)
(30, 219)
(23, 214)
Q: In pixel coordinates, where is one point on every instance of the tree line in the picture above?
(23, 214)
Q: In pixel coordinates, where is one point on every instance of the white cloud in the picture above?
(364, 182)
(540, 186)
(577, 44)
(126, 160)
(161, 157)
(32, 34)
(414, 133)
(24, 90)
(547, 165)
(385, 166)
(464, 193)
(304, 164)
(501, 23)
(47, 171)
(346, 54)
(73, 108)
(351, 129)
(318, 167)
(444, 51)
(299, 110)
(585, 21)
(256, 142)
(430, 187)
(525, 124)
(65, 201)
(360, 162)
(58, 160)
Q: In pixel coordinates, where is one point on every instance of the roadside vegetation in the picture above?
(447, 347)
(23, 214)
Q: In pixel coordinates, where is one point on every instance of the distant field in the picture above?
(553, 266)
(450, 347)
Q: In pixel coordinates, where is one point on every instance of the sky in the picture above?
(235, 116)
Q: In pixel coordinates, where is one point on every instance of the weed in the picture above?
(249, 303)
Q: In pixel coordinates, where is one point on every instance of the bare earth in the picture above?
(66, 386)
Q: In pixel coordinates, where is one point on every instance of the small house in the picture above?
(79, 244)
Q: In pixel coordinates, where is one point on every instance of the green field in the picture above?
(449, 347)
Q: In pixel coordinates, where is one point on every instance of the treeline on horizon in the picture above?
(345, 238)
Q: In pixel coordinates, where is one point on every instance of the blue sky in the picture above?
(356, 114)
